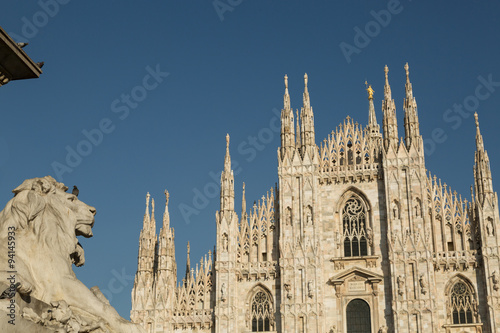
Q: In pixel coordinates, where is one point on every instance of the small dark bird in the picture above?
(75, 191)
(9, 293)
(21, 45)
(40, 64)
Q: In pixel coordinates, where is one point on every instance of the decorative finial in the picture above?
(167, 196)
(227, 140)
(386, 71)
(407, 69)
(243, 186)
(188, 248)
(476, 118)
(286, 81)
(305, 80)
(369, 90)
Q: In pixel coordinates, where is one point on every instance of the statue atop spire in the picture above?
(373, 128)
(286, 97)
(479, 137)
(369, 90)
(387, 87)
(306, 101)
(227, 159)
(147, 204)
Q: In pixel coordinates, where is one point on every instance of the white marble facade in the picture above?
(357, 237)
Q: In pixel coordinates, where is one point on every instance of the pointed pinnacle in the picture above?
(407, 70)
(147, 203)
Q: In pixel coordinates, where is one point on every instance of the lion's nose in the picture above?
(92, 210)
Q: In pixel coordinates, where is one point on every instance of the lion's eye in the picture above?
(72, 198)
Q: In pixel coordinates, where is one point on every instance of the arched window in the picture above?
(358, 317)
(261, 312)
(462, 304)
(354, 224)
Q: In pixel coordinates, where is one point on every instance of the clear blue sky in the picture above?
(226, 76)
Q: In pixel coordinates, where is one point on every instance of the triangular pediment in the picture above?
(355, 272)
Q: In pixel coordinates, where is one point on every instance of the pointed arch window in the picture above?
(462, 304)
(262, 312)
(354, 228)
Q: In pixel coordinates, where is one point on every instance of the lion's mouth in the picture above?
(84, 228)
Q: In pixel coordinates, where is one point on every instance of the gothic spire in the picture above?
(153, 221)
(306, 121)
(297, 135)
(243, 205)
(227, 183)
(390, 124)
(412, 132)
(287, 128)
(166, 215)
(146, 214)
(373, 128)
(188, 262)
(286, 97)
(482, 171)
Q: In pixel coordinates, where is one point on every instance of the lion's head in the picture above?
(43, 207)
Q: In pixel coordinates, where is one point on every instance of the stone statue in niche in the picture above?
(223, 292)
(310, 292)
(495, 280)
(288, 217)
(309, 219)
(489, 227)
(224, 242)
(395, 210)
(401, 285)
(287, 289)
(369, 236)
(423, 284)
(418, 209)
(47, 221)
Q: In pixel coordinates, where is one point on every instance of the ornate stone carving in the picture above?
(287, 289)
(495, 280)
(382, 329)
(401, 285)
(310, 287)
(423, 284)
(47, 221)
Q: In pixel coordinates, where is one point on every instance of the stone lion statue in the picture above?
(46, 220)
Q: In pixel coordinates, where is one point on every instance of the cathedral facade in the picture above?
(357, 237)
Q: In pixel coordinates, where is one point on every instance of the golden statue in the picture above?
(370, 91)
